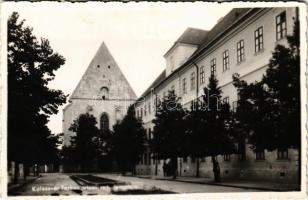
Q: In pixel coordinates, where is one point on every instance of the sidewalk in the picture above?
(259, 185)
(21, 182)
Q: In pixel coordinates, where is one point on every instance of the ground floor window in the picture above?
(145, 159)
(150, 159)
(141, 160)
(242, 150)
(185, 159)
(226, 157)
(260, 155)
(282, 153)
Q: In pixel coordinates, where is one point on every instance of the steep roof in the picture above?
(223, 25)
(156, 82)
(103, 71)
(191, 36)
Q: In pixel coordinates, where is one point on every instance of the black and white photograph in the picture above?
(153, 99)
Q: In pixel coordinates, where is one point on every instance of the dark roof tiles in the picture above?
(192, 36)
(222, 25)
(157, 81)
(203, 38)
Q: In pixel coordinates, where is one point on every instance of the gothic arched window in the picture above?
(104, 122)
(104, 93)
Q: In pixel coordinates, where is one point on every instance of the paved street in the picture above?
(62, 184)
(45, 184)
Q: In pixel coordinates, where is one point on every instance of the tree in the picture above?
(105, 142)
(269, 110)
(128, 141)
(217, 139)
(195, 133)
(169, 130)
(31, 66)
(85, 146)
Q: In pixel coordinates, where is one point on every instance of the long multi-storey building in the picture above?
(241, 42)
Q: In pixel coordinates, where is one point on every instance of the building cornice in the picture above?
(175, 45)
(242, 23)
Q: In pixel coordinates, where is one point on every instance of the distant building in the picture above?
(241, 42)
(103, 92)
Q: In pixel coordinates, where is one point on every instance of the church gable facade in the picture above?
(103, 92)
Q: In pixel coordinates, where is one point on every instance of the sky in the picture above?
(136, 34)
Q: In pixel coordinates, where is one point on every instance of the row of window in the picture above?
(282, 154)
(147, 108)
(281, 32)
(144, 111)
(146, 159)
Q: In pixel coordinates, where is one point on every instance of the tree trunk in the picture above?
(37, 170)
(33, 168)
(16, 172)
(197, 168)
(299, 167)
(25, 171)
(156, 163)
(216, 170)
(174, 167)
(133, 169)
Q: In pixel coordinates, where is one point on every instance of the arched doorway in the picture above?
(104, 123)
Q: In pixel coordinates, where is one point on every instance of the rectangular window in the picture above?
(149, 134)
(192, 81)
(145, 110)
(226, 157)
(137, 113)
(172, 89)
(202, 75)
(202, 159)
(184, 86)
(282, 153)
(141, 112)
(193, 160)
(242, 150)
(185, 159)
(141, 160)
(213, 66)
(225, 60)
(260, 154)
(240, 51)
(234, 106)
(146, 134)
(145, 158)
(259, 39)
(226, 100)
(281, 27)
(149, 108)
